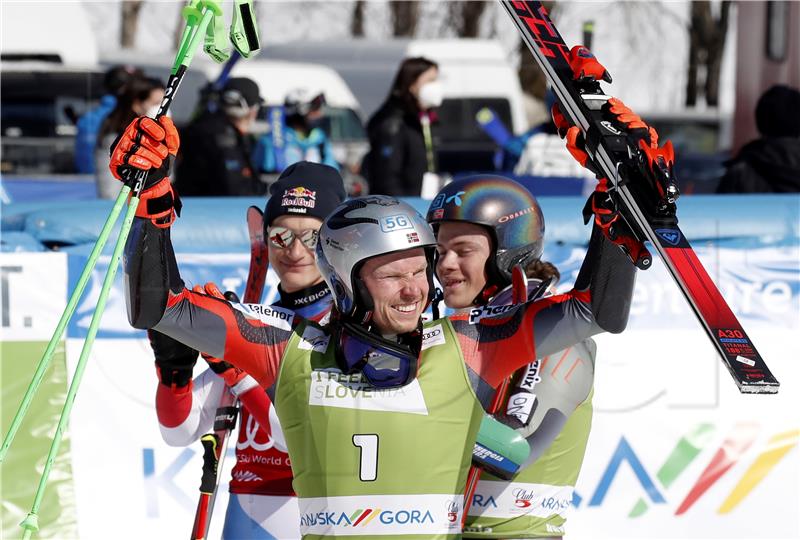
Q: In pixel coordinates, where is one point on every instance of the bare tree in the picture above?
(405, 15)
(706, 45)
(465, 17)
(357, 19)
(130, 21)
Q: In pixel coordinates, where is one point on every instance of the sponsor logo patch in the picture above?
(269, 315)
(476, 314)
(670, 236)
(376, 515)
(299, 197)
(432, 337)
(397, 222)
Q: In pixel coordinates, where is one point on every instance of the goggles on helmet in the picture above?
(383, 364)
(281, 237)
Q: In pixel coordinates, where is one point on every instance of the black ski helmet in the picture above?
(510, 213)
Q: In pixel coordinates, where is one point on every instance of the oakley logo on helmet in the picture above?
(518, 213)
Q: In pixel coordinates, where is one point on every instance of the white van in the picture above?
(49, 76)
(475, 73)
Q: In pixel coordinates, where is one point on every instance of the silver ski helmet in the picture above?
(508, 211)
(362, 228)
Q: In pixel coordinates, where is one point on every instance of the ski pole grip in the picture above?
(208, 482)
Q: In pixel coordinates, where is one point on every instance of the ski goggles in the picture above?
(382, 364)
(283, 238)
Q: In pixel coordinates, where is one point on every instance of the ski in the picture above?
(215, 444)
(626, 168)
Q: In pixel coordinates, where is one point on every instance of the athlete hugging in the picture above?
(379, 411)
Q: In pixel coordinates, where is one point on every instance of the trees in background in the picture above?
(706, 44)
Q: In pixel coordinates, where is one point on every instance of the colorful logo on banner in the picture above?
(686, 450)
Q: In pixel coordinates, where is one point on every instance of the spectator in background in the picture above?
(770, 164)
(89, 124)
(139, 96)
(295, 135)
(400, 150)
(216, 148)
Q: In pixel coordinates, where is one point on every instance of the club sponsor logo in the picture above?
(438, 214)
(269, 315)
(523, 498)
(670, 236)
(513, 499)
(335, 389)
(413, 238)
(453, 510)
(433, 336)
(299, 197)
(518, 213)
(476, 314)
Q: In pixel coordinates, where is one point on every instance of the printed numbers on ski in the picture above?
(368, 459)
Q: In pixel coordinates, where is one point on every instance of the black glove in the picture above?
(174, 360)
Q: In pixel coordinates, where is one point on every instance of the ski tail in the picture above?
(215, 444)
(627, 169)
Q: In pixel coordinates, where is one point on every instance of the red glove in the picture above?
(147, 145)
(229, 373)
(585, 66)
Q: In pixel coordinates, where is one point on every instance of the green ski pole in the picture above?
(183, 58)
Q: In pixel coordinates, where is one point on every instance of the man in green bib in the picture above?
(379, 410)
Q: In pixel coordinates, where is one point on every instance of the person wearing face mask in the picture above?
(296, 135)
(139, 96)
(401, 146)
(262, 502)
(496, 226)
(216, 148)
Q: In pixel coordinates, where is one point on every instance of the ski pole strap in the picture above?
(225, 418)
(215, 40)
(244, 31)
(208, 482)
(425, 121)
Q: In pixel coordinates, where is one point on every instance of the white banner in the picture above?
(33, 294)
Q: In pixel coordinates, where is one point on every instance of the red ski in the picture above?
(214, 444)
(628, 170)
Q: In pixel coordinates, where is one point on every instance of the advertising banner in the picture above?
(674, 452)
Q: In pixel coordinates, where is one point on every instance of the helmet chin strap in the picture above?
(495, 281)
